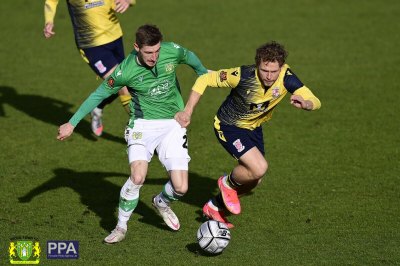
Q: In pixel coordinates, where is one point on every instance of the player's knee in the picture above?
(259, 170)
(137, 179)
(181, 189)
(179, 181)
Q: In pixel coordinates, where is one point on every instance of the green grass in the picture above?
(331, 194)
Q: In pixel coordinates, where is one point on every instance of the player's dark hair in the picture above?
(148, 35)
(271, 52)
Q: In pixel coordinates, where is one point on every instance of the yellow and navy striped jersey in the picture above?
(94, 21)
(250, 103)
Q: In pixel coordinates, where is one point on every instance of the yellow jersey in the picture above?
(94, 21)
(250, 103)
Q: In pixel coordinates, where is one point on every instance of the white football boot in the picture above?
(97, 123)
(117, 235)
(168, 215)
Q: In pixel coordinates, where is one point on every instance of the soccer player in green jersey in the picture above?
(255, 92)
(98, 37)
(149, 73)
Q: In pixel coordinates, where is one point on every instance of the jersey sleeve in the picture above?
(291, 81)
(109, 86)
(89, 104)
(117, 79)
(50, 7)
(307, 94)
(293, 85)
(224, 78)
(189, 58)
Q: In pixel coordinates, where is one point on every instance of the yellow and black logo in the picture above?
(24, 250)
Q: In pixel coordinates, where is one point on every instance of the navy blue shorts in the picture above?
(104, 57)
(237, 141)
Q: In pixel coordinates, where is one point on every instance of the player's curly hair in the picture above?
(271, 52)
(148, 35)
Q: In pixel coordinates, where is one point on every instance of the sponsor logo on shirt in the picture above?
(94, 4)
(160, 89)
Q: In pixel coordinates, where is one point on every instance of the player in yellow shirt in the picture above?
(98, 36)
(255, 92)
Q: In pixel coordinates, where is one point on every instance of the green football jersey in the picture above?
(155, 92)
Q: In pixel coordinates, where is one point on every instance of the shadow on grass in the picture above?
(48, 110)
(101, 196)
(197, 251)
(98, 194)
(201, 188)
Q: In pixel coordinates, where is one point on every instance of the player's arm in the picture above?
(189, 58)
(224, 78)
(194, 62)
(94, 99)
(50, 7)
(216, 79)
(106, 88)
(302, 97)
(122, 5)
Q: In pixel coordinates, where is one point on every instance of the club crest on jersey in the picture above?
(111, 82)
(222, 76)
(238, 145)
(275, 92)
(169, 67)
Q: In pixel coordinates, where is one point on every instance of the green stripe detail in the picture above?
(128, 205)
(173, 197)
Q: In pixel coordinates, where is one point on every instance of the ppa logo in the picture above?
(62, 249)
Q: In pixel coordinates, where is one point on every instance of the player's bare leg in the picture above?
(129, 198)
(251, 168)
(173, 191)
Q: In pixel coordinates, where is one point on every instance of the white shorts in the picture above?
(165, 136)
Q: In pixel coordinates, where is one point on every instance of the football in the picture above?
(213, 236)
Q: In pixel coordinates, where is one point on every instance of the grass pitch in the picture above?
(331, 194)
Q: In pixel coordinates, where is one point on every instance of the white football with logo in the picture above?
(213, 236)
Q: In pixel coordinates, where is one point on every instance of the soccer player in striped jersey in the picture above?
(149, 73)
(255, 92)
(98, 37)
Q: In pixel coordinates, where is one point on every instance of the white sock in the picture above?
(167, 195)
(129, 198)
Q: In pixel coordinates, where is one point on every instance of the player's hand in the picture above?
(64, 131)
(298, 102)
(48, 30)
(122, 5)
(183, 118)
